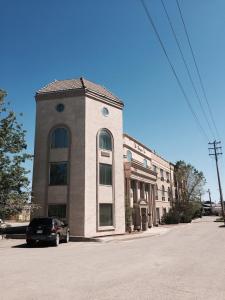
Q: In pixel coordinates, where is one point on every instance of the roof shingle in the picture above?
(73, 84)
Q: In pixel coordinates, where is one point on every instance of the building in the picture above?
(82, 157)
(149, 188)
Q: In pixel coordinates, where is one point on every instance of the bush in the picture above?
(172, 217)
(183, 213)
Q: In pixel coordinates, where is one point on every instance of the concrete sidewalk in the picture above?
(136, 235)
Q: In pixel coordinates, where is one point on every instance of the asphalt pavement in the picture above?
(186, 262)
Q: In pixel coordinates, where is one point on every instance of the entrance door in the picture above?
(144, 218)
(157, 215)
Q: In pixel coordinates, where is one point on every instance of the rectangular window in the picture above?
(161, 172)
(106, 214)
(105, 174)
(58, 173)
(57, 210)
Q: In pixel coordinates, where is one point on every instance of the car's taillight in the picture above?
(53, 229)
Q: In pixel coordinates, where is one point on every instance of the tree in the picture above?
(189, 182)
(14, 184)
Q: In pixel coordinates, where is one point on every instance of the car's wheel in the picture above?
(67, 239)
(56, 242)
(30, 243)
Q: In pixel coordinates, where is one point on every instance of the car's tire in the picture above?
(67, 239)
(56, 241)
(30, 243)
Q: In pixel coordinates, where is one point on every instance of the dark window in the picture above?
(60, 107)
(60, 138)
(156, 192)
(106, 214)
(163, 191)
(40, 221)
(105, 174)
(58, 173)
(57, 210)
(105, 140)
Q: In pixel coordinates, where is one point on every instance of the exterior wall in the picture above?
(83, 194)
(141, 152)
(95, 193)
(160, 163)
(72, 194)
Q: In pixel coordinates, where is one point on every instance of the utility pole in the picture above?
(215, 151)
(210, 200)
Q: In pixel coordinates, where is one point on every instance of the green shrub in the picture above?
(172, 217)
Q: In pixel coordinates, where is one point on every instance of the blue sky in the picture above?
(112, 43)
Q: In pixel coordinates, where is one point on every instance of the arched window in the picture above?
(145, 163)
(60, 138)
(105, 140)
(129, 155)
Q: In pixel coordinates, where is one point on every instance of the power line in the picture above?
(197, 69)
(173, 69)
(187, 68)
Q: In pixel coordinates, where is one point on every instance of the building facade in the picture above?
(149, 187)
(82, 160)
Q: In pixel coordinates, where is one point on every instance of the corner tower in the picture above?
(78, 163)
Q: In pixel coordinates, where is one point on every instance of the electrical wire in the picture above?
(173, 70)
(187, 69)
(197, 69)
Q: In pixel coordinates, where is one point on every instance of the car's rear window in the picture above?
(41, 221)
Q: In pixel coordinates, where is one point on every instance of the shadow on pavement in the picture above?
(38, 245)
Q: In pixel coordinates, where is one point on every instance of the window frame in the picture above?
(111, 225)
(99, 180)
(67, 173)
(66, 139)
(109, 135)
(130, 156)
(57, 216)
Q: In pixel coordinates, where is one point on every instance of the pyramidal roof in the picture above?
(75, 84)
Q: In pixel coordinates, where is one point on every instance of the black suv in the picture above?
(47, 230)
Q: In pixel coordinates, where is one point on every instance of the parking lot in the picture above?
(187, 262)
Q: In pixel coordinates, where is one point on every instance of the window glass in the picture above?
(58, 173)
(40, 221)
(105, 174)
(60, 138)
(145, 163)
(106, 214)
(155, 169)
(57, 210)
(156, 191)
(161, 172)
(129, 155)
(169, 194)
(105, 140)
(163, 191)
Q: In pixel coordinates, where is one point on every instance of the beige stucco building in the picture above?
(85, 169)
